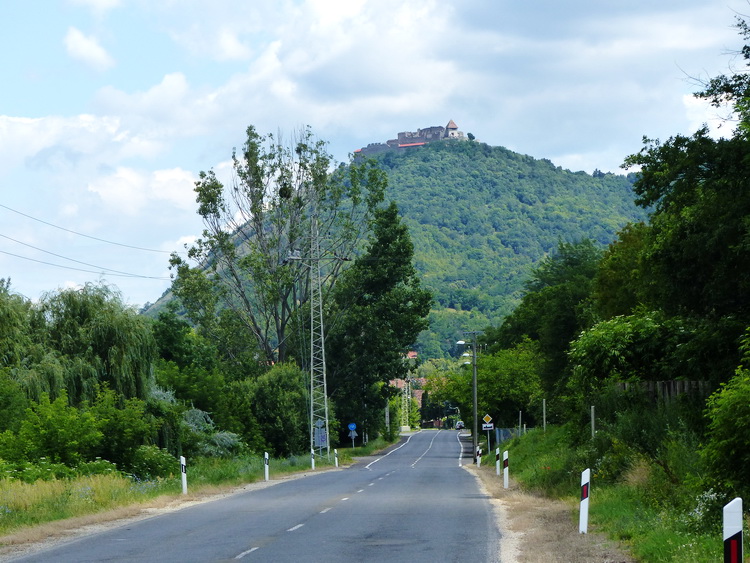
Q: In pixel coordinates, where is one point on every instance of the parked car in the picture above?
(459, 424)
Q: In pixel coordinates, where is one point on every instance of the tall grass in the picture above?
(25, 504)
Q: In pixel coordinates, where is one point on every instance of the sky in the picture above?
(109, 109)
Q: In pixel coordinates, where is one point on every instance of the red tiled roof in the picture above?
(451, 125)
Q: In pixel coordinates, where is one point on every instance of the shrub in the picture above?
(151, 462)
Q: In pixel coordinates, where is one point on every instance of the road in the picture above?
(413, 503)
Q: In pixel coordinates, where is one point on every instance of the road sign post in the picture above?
(352, 432)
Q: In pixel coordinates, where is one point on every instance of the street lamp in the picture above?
(475, 425)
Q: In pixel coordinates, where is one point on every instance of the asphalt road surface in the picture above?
(412, 503)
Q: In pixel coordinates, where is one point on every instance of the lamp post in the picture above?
(475, 423)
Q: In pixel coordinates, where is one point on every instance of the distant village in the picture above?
(416, 138)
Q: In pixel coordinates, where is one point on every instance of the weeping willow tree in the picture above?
(97, 339)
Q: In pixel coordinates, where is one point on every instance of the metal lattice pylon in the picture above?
(405, 403)
(319, 436)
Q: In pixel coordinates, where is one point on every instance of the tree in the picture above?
(383, 308)
(278, 193)
(699, 240)
(555, 309)
(100, 341)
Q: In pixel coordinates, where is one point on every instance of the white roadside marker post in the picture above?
(505, 469)
(583, 519)
(312, 459)
(733, 532)
(479, 457)
(183, 471)
(497, 461)
(336, 457)
(265, 464)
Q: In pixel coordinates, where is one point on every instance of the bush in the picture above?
(726, 451)
(151, 462)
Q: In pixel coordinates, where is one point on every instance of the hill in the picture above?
(481, 217)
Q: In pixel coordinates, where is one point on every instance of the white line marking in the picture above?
(461, 448)
(361, 491)
(371, 484)
(325, 510)
(428, 448)
(389, 453)
(345, 498)
(297, 527)
(248, 552)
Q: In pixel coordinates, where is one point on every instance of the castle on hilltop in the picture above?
(415, 139)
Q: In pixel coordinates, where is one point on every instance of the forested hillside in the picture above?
(481, 217)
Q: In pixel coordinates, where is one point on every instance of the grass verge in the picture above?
(24, 505)
(636, 509)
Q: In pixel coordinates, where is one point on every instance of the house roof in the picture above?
(451, 125)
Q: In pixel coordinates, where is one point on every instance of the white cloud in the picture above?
(124, 190)
(699, 113)
(129, 191)
(99, 7)
(174, 186)
(87, 50)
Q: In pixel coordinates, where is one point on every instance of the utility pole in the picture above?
(475, 423)
(319, 435)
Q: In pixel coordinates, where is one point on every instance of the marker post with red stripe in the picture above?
(505, 469)
(733, 532)
(583, 519)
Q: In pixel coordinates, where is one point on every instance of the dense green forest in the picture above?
(481, 217)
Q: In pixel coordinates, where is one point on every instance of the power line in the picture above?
(99, 268)
(122, 275)
(82, 235)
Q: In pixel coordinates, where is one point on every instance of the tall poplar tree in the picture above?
(381, 307)
(263, 218)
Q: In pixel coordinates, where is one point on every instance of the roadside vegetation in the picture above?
(45, 492)
(652, 334)
(632, 500)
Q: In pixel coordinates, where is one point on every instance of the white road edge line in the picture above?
(461, 448)
(325, 510)
(428, 448)
(297, 527)
(248, 552)
(389, 453)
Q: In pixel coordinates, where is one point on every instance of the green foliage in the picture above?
(699, 229)
(510, 381)
(13, 402)
(151, 462)
(254, 225)
(279, 404)
(554, 311)
(380, 308)
(482, 217)
(126, 427)
(53, 430)
(100, 340)
(726, 451)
